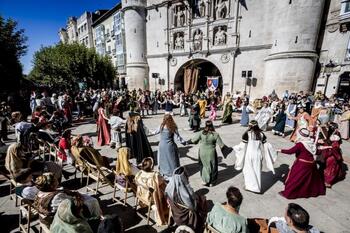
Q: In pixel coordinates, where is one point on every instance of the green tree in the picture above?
(66, 65)
(12, 48)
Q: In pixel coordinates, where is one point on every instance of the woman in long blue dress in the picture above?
(168, 155)
(291, 112)
(246, 109)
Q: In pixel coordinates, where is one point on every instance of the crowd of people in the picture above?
(318, 127)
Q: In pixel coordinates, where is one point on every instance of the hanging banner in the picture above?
(213, 82)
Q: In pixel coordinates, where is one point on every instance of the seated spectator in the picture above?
(22, 128)
(64, 145)
(151, 186)
(225, 217)
(296, 219)
(58, 121)
(124, 169)
(50, 196)
(111, 224)
(69, 218)
(15, 158)
(25, 187)
(88, 153)
(36, 115)
(187, 208)
(39, 167)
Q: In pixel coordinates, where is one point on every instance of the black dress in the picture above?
(280, 121)
(136, 138)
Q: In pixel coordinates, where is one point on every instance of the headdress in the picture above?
(253, 123)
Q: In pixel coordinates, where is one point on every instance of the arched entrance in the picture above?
(344, 85)
(192, 76)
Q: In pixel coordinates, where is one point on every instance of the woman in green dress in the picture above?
(208, 159)
(227, 117)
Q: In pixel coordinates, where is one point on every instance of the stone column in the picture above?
(135, 43)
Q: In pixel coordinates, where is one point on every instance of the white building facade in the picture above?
(334, 62)
(70, 33)
(84, 28)
(108, 32)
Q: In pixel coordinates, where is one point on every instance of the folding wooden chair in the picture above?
(210, 229)
(98, 174)
(13, 185)
(42, 226)
(146, 200)
(53, 149)
(43, 148)
(26, 214)
(80, 165)
(127, 189)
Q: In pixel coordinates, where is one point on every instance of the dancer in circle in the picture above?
(208, 158)
(250, 153)
(168, 154)
(304, 179)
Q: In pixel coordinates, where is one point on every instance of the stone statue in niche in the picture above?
(220, 37)
(181, 18)
(199, 8)
(221, 9)
(179, 41)
(197, 40)
(175, 17)
(202, 9)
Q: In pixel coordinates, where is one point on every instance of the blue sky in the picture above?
(42, 19)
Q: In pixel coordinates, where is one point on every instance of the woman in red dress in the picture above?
(332, 155)
(304, 179)
(103, 128)
(64, 146)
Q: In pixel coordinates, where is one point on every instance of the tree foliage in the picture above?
(66, 65)
(12, 48)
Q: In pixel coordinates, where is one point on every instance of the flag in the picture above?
(212, 83)
(244, 4)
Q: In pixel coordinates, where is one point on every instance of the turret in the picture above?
(291, 63)
(135, 43)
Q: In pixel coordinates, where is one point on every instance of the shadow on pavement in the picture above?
(226, 174)
(268, 179)
(9, 222)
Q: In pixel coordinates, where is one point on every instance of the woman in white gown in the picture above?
(250, 153)
(264, 116)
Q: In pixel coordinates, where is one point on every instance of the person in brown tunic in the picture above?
(187, 208)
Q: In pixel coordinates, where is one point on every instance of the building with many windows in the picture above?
(109, 40)
(84, 28)
(334, 62)
(70, 33)
(80, 29)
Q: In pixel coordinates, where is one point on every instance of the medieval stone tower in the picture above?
(291, 62)
(272, 42)
(135, 43)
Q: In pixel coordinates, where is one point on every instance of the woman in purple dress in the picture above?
(304, 179)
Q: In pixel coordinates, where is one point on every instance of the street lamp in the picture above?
(328, 70)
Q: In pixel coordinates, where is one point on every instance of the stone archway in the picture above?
(205, 69)
(344, 85)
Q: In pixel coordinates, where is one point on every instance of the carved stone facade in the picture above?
(261, 37)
